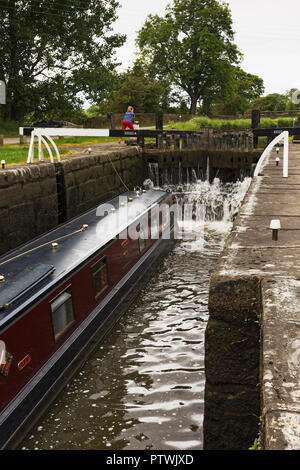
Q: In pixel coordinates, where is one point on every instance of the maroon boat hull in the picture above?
(42, 365)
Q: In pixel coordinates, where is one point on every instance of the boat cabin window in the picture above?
(165, 219)
(100, 277)
(154, 227)
(142, 238)
(62, 313)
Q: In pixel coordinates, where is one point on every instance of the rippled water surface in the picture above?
(144, 386)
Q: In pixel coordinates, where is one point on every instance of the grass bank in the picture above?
(222, 124)
(16, 154)
(13, 155)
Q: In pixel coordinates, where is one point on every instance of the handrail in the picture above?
(284, 135)
(43, 133)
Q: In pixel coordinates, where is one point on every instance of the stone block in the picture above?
(235, 300)
(231, 417)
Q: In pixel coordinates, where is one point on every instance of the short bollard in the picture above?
(3, 162)
(275, 226)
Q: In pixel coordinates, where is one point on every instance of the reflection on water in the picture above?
(144, 386)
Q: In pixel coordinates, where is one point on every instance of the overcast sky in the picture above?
(267, 33)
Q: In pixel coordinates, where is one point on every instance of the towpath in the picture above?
(250, 251)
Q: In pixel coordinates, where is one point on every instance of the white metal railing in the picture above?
(43, 133)
(284, 135)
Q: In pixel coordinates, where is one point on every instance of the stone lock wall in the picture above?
(28, 203)
(232, 362)
(84, 182)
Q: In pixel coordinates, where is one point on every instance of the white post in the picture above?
(31, 148)
(48, 148)
(54, 146)
(41, 153)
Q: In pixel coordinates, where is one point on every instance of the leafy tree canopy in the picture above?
(272, 102)
(292, 99)
(49, 42)
(192, 46)
(245, 88)
(140, 90)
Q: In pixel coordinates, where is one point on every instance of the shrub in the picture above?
(203, 121)
(226, 125)
(285, 122)
(9, 128)
(268, 122)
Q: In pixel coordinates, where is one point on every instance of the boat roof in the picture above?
(32, 269)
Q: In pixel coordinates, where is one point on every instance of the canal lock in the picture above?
(153, 396)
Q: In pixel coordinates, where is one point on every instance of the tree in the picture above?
(245, 88)
(55, 99)
(43, 42)
(272, 102)
(139, 89)
(292, 99)
(192, 45)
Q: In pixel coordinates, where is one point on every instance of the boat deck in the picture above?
(33, 268)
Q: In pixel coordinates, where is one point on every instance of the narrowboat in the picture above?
(62, 292)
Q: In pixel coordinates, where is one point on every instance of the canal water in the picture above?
(143, 388)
